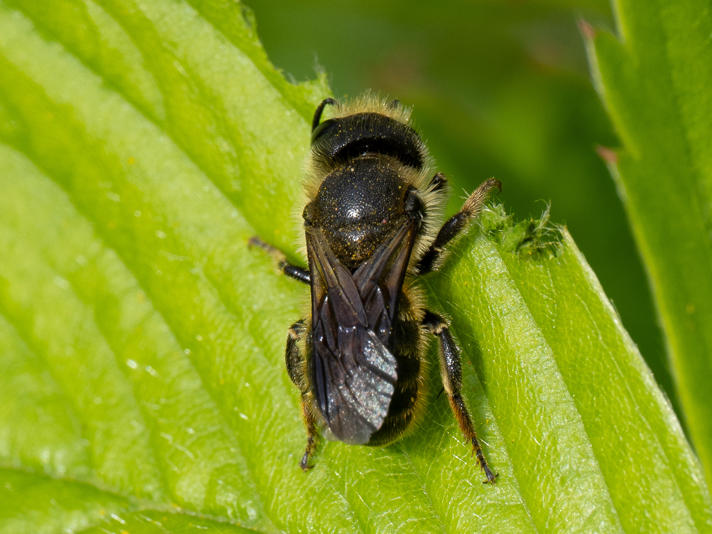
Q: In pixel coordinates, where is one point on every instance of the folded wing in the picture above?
(354, 370)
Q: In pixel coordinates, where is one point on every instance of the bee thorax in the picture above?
(358, 205)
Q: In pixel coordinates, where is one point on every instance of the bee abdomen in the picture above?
(400, 413)
(403, 402)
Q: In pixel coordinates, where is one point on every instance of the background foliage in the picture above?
(655, 81)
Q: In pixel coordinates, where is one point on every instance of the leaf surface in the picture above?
(142, 384)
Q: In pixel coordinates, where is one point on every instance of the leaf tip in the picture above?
(608, 155)
(586, 29)
(530, 237)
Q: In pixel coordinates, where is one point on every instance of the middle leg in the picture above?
(293, 271)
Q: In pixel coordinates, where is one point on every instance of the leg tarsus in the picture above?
(293, 271)
(476, 200)
(312, 433)
(455, 224)
(451, 372)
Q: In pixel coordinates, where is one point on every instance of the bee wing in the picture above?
(354, 371)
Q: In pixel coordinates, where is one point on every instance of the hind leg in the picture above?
(296, 367)
(451, 371)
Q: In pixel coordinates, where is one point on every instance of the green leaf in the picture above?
(656, 84)
(142, 384)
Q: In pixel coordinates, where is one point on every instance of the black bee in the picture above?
(358, 362)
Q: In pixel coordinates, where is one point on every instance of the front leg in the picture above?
(287, 268)
(451, 372)
(455, 224)
(296, 367)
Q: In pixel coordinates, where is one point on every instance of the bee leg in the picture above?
(319, 110)
(296, 367)
(312, 433)
(451, 371)
(298, 273)
(455, 224)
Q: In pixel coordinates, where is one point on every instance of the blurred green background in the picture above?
(499, 88)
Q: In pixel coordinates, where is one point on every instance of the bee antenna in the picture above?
(319, 110)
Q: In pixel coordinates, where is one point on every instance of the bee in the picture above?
(369, 225)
